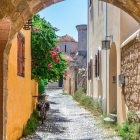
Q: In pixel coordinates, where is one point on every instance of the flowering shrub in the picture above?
(47, 61)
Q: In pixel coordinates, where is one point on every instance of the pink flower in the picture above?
(57, 49)
(35, 29)
(50, 65)
(53, 54)
(56, 59)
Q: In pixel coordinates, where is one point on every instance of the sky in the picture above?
(66, 15)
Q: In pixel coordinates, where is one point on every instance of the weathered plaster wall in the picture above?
(95, 35)
(20, 90)
(127, 26)
(120, 25)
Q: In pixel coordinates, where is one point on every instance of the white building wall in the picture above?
(120, 26)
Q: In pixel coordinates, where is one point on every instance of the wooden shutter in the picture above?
(20, 54)
(89, 73)
(90, 69)
(96, 65)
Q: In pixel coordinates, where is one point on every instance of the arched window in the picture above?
(20, 54)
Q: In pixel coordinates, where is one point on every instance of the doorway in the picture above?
(113, 79)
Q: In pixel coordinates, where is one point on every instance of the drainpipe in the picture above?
(104, 104)
(106, 59)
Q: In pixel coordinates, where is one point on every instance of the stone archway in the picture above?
(132, 7)
(5, 26)
(19, 11)
(113, 79)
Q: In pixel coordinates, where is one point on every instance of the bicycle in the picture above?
(43, 106)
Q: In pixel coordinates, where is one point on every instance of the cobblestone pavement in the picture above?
(68, 121)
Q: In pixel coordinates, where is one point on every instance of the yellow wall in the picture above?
(20, 90)
(34, 92)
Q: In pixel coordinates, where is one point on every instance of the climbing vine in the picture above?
(47, 60)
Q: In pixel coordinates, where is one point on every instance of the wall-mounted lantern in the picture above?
(121, 79)
(28, 25)
(114, 79)
(138, 36)
(105, 44)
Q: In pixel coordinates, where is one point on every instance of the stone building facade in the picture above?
(78, 52)
(68, 45)
(107, 66)
(82, 45)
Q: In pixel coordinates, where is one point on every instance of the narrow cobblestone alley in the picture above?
(68, 121)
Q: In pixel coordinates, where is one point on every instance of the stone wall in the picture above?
(130, 67)
(69, 82)
(71, 47)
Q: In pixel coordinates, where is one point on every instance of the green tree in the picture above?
(47, 61)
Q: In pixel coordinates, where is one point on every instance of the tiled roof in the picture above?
(67, 38)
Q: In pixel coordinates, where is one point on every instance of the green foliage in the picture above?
(44, 40)
(41, 87)
(129, 131)
(32, 124)
(88, 102)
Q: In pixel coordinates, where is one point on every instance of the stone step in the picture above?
(109, 120)
(113, 116)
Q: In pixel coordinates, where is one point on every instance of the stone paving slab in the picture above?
(66, 120)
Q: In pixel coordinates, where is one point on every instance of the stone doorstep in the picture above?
(113, 115)
(109, 120)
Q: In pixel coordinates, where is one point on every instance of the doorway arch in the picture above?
(131, 7)
(113, 79)
(19, 11)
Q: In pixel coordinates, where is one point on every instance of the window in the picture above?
(90, 69)
(90, 3)
(98, 64)
(96, 61)
(20, 54)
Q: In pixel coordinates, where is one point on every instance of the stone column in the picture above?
(4, 35)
